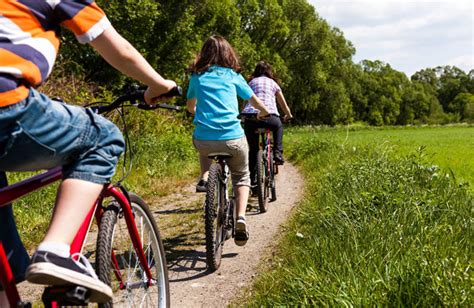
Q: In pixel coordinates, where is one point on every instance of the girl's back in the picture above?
(266, 89)
(216, 92)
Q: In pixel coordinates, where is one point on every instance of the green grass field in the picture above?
(379, 225)
(450, 147)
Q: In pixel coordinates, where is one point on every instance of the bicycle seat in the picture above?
(219, 155)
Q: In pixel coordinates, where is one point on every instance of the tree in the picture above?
(463, 104)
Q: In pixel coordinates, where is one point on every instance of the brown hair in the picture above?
(264, 69)
(215, 51)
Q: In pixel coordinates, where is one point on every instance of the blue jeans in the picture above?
(40, 133)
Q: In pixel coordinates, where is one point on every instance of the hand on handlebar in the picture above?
(287, 117)
(156, 95)
(262, 115)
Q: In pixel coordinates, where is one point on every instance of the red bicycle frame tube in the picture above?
(11, 193)
(7, 279)
(80, 238)
(268, 147)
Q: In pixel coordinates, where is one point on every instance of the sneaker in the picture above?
(278, 159)
(201, 186)
(48, 268)
(241, 232)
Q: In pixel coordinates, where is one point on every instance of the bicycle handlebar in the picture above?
(139, 95)
(251, 116)
(247, 115)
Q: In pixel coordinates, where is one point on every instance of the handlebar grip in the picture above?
(140, 94)
(176, 91)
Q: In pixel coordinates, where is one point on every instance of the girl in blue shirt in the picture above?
(212, 96)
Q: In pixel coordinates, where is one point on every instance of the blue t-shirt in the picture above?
(216, 92)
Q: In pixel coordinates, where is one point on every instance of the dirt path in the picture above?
(192, 286)
(181, 223)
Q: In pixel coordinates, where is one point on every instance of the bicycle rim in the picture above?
(214, 218)
(132, 289)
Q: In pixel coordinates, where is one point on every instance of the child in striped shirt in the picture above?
(37, 132)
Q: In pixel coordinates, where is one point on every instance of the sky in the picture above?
(410, 35)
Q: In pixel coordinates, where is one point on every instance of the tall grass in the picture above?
(373, 230)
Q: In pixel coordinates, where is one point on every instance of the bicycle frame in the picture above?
(266, 145)
(13, 192)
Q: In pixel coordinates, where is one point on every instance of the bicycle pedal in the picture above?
(66, 295)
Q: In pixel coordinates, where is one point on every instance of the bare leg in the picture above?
(205, 163)
(74, 200)
(4, 300)
(241, 230)
(242, 196)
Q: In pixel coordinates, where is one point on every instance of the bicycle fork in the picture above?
(136, 242)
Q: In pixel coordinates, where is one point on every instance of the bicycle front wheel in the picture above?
(214, 217)
(118, 264)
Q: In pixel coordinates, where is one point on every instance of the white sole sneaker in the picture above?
(241, 233)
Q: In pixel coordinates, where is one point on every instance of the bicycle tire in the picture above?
(214, 219)
(262, 191)
(114, 237)
(272, 179)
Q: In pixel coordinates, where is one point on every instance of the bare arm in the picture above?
(282, 102)
(191, 105)
(119, 53)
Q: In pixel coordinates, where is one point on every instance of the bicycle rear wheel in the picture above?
(118, 264)
(214, 218)
(262, 185)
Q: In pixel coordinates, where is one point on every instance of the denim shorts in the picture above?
(40, 133)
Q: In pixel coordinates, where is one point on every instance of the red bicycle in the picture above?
(129, 254)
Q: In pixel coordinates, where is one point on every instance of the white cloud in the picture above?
(461, 61)
(408, 34)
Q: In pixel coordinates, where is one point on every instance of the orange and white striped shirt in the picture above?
(29, 39)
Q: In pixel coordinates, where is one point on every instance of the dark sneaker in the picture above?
(241, 232)
(278, 159)
(201, 186)
(48, 268)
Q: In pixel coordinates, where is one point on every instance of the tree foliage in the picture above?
(312, 59)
